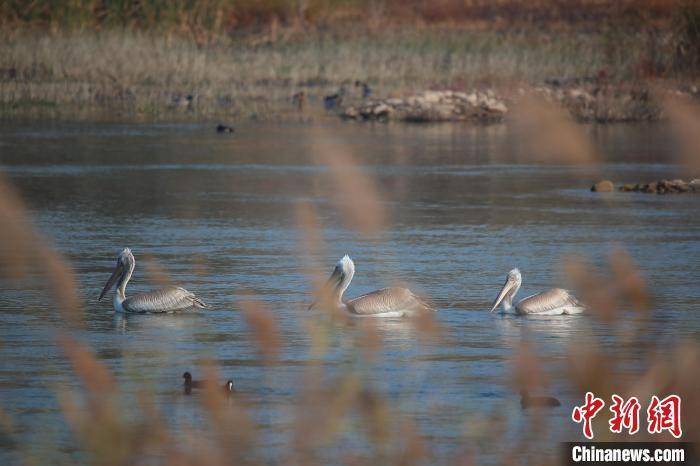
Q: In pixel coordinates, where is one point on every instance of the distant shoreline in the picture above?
(599, 75)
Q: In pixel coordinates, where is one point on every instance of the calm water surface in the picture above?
(219, 214)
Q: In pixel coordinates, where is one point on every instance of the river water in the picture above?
(218, 214)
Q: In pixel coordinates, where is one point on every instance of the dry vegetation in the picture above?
(212, 19)
(326, 403)
(248, 58)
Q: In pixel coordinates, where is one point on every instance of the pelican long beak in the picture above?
(118, 270)
(507, 286)
(333, 281)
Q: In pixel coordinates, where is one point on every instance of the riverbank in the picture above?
(601, 70)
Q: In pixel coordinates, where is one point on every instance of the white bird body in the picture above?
(555, 301)
(117, 302)
(386, 302)
(167, 299)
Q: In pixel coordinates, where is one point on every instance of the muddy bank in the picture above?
(425, 74)
(602, 105)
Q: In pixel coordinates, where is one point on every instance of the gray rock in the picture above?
(496, 106)
(651, 188)
(431, 106)
(381, 111)
(351, 113)
(432, 96)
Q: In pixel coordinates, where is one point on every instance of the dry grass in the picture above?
(211, 18)
(548, 134)
(685, 120)
(24, 252)
(355, 193)
(243, 58)
(262, 326)
(139, 74)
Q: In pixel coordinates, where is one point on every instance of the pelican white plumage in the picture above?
(552, 302)
(387, 302)
(167, 299)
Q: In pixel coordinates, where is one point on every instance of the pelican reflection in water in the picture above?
(167, 299)
(387, 302)
(552, 302)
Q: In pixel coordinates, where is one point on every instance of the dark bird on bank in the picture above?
(224, 129)
(366, 90)
(182, 101)
(190, 384)
(334, 100)
(299, 100)
(527, 401)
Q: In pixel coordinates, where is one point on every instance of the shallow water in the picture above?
(220, 213)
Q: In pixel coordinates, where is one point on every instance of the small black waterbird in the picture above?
(527, 401)
(190, 384)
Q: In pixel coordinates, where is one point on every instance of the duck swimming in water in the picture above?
(190, 384)
(527, 401)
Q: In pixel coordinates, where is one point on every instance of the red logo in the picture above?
(665, 415)
(661, 415)
(587, 412)
(625, 415)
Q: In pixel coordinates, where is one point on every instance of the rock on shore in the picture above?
(603, 186)
(587, 100)
(654, 187)
(432, 106)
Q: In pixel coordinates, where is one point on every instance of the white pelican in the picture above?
(167, 299)
(387, 302)
(552, 302)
